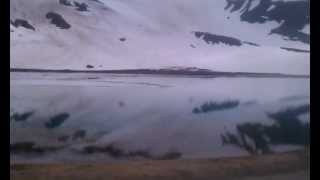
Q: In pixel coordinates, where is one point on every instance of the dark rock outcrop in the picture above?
(215, 39)
(193, 46)
(65, 2)
(110, 149)
(81, 6)
(22, 117)
(89, 66)
(292, 16)
(21, 22)
(57, 120)
(214, 106)
(58, 20)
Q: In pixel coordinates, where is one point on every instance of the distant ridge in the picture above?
(175, 71)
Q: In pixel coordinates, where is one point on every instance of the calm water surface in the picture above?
(111, 118)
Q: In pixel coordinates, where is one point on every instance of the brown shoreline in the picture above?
(222, 168)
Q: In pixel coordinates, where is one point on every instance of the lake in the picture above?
(87, 117)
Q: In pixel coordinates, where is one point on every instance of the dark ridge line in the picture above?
(165, 72)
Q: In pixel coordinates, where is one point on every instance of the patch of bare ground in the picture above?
(284, 166)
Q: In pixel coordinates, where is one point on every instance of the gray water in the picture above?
(62, 114)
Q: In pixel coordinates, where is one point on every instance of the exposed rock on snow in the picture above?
(216, 39)
(21, 117)
(57, 120)
(58, 20)
(65, 2)
(21, 22)
(292, 15)
(122, 39)
(81, 6)
(89, 66)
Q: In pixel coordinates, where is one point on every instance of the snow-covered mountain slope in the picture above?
(223, 35)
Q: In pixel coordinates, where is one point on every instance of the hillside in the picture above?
(266, 36)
